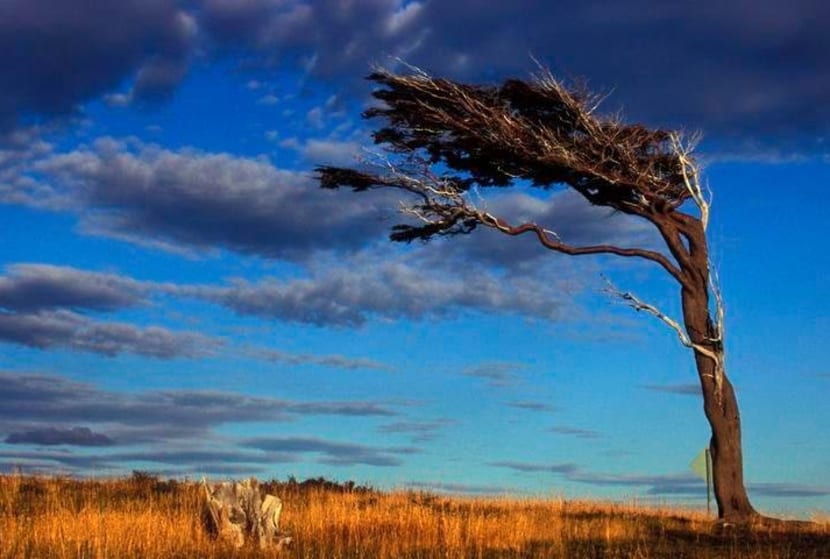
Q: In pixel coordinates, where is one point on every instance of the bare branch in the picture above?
(719, 327)
(638, 304)
(551, 241)
(691, 175)
(445, 207)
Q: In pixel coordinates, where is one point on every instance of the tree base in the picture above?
(755, 522)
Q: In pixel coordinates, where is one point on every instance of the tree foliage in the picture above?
(491, 136)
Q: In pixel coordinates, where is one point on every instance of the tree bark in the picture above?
(719, 402)
(727, 457)
(720, 406)
(237, 512)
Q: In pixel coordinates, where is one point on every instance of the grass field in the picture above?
(144, 518)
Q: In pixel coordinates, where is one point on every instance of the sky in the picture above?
(177, 295)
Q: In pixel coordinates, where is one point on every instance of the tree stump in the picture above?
(238, 512)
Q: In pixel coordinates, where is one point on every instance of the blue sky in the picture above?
(177, 295)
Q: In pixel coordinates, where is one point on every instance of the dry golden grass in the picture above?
(148, 519)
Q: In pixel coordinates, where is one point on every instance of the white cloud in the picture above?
(406, 15)
(330, 152)
(46, 329)
(118, 99)
(141, 193)
(269, 100)
(315, 118)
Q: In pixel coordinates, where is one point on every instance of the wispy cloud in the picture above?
(567, 468)
(330, 152)
(53, 436)
(174, 428)
(332, 453)
(179, 461)
(788, 490)
(45, 298)
(496, 373)
(246, 456)
(685, 484)
(575, 432)
(65, 329)
(51, 460)
(268, 99)
(418, 431)
(530, 405)
(139, 192)
(41, 306)
(35, 287)
(683, 389)
(334, 361)
(656, 484)
(342, 291)
(460, 488)
(39, 401)
(352, 290)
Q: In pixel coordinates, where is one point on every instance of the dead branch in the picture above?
(631, 300)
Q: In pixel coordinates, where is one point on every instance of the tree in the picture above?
(446, 141)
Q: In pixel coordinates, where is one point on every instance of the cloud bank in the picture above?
(49, 419)
(684, 484)
(753, 74)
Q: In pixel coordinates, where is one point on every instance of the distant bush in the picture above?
(318, 484)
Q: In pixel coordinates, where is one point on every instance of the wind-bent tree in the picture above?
(446, 141)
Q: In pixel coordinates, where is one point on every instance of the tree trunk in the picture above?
(721, 408)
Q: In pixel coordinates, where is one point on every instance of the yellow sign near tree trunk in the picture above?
(702, 466)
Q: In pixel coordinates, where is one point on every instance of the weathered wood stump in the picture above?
(237, 512)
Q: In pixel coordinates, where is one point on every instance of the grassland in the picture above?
(144, 518)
